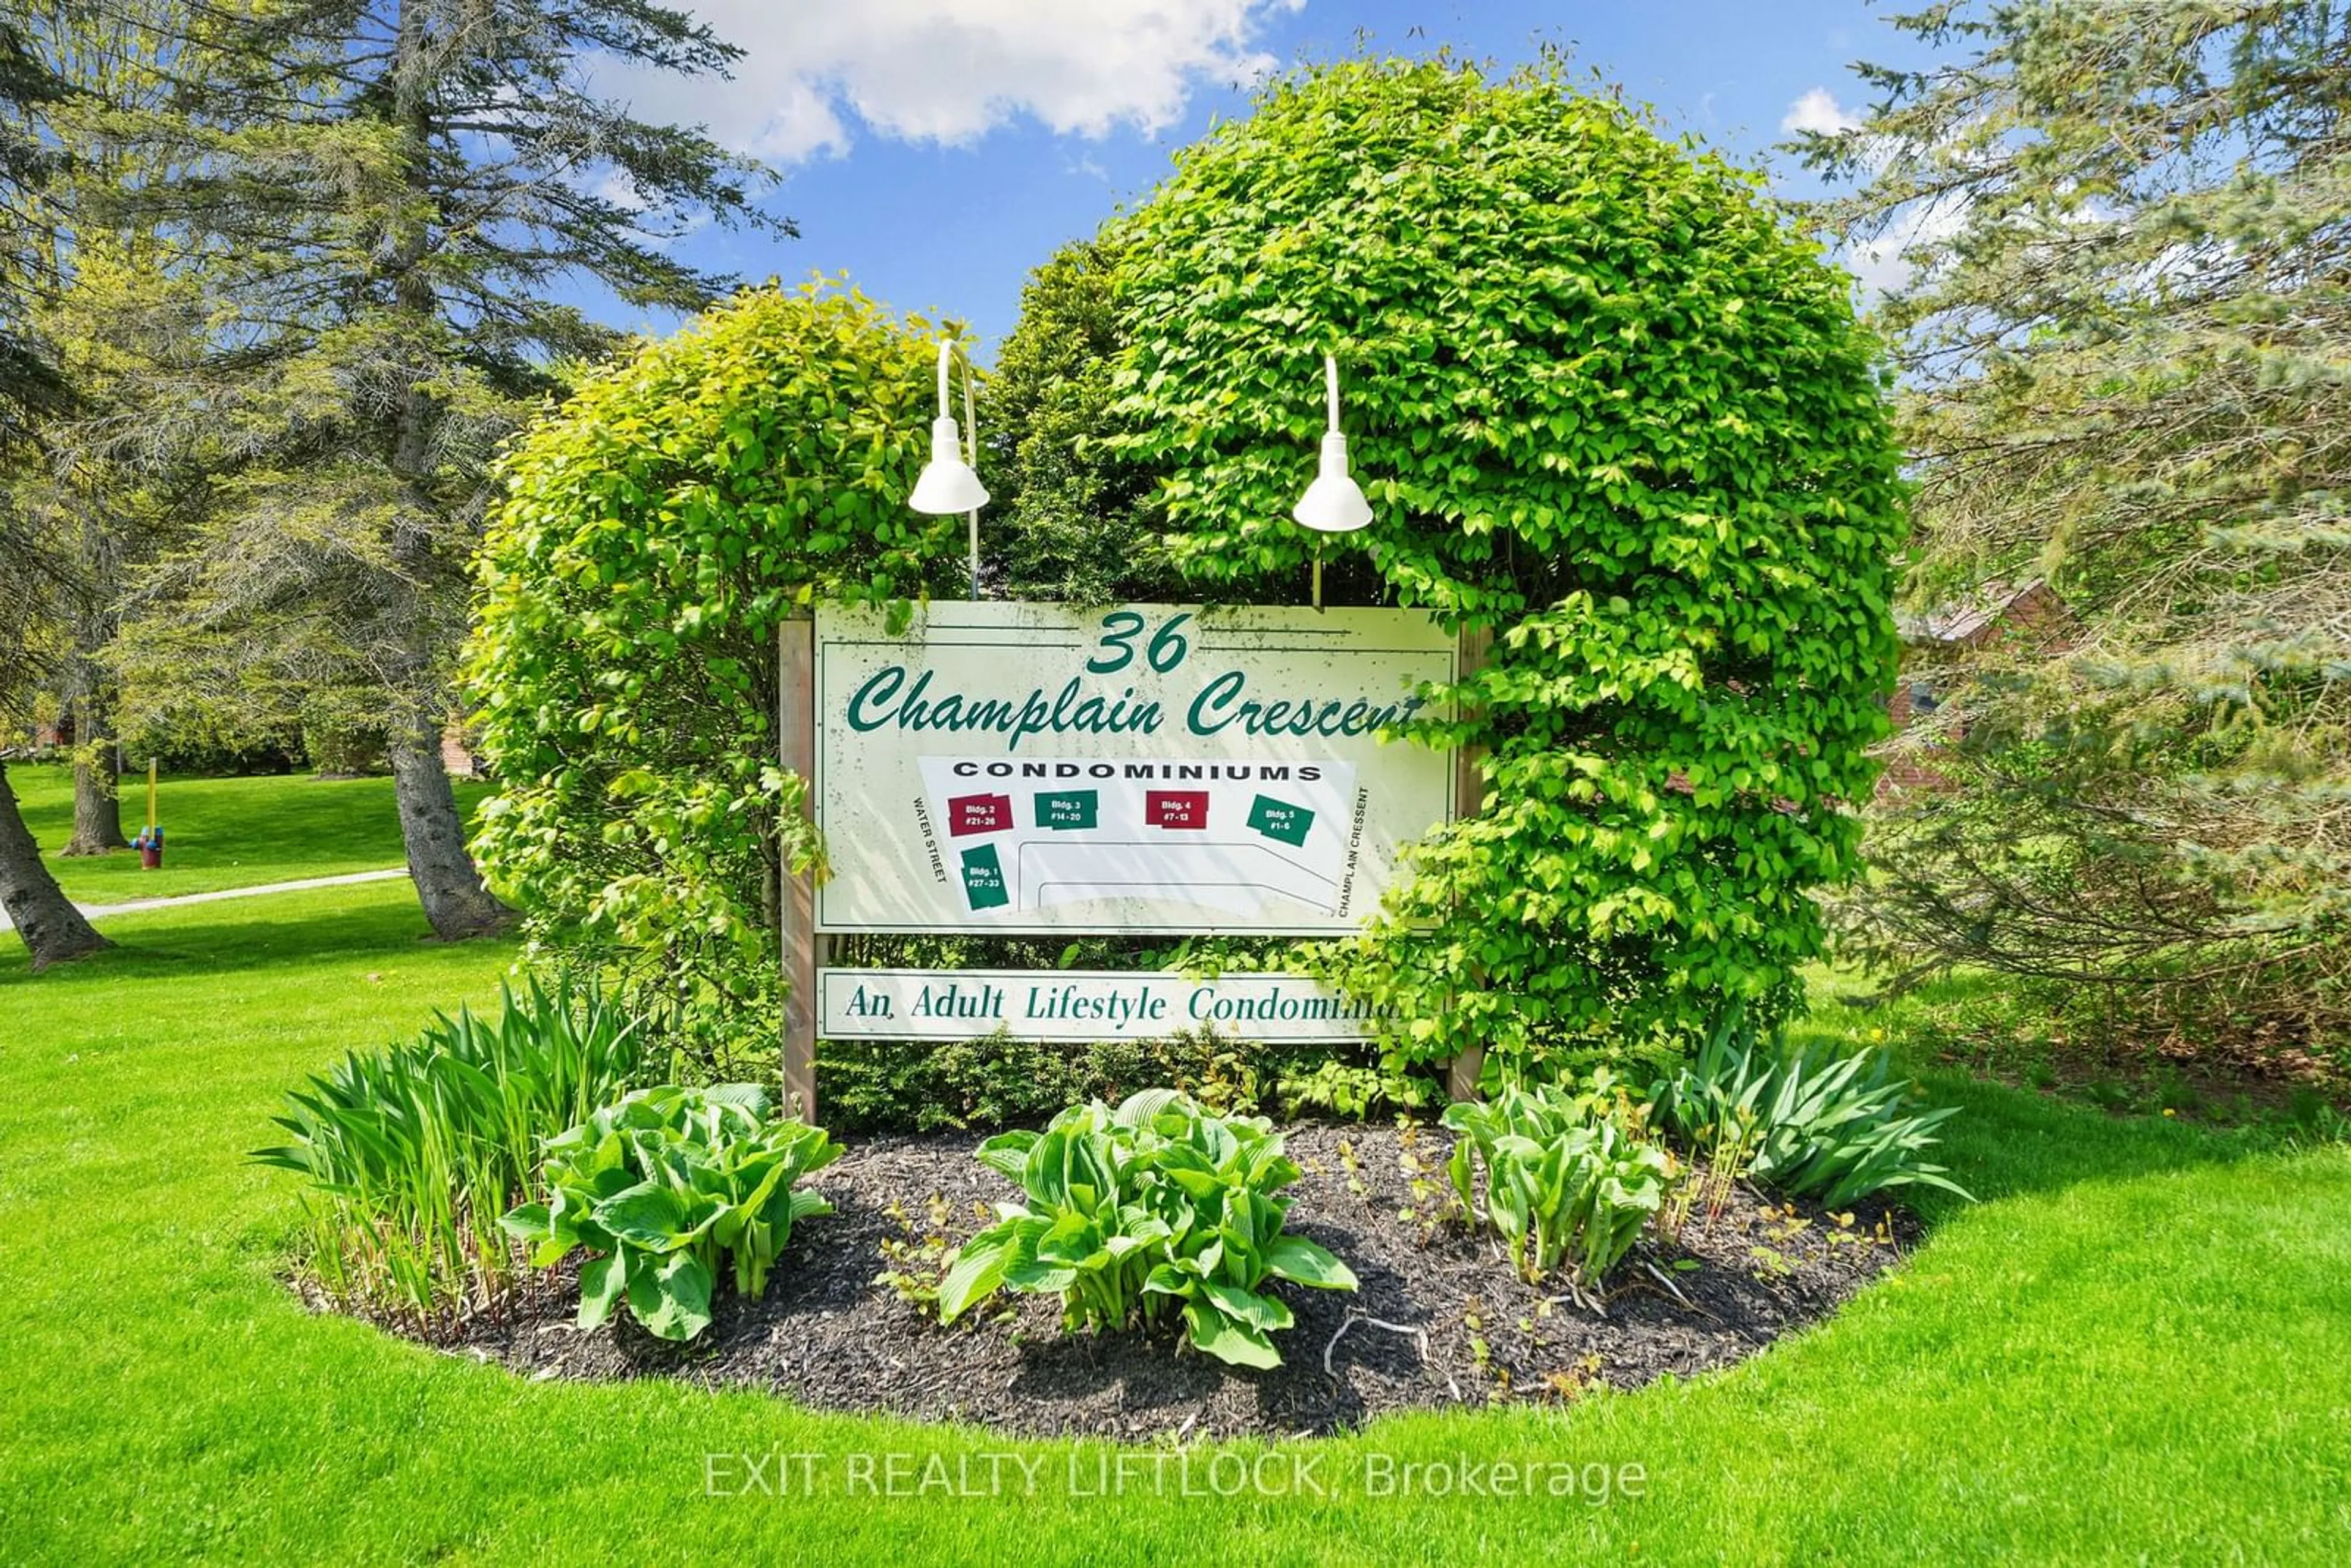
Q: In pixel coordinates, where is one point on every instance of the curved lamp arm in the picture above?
(949, 482)
(947, 349)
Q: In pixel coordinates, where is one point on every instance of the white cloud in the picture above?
(1818, 110)
(1880, 266)
(1880, 263)
(948, 71)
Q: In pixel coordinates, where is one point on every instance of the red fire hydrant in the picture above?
(150, 845)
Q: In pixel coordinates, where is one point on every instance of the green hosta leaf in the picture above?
(657, 1218)
(1122, 1246)
(1235, 1343)
(1073, 1238)
(1296, 1259)
(1259, 1311)
(601, 1282)
(1145, 1107)
(977, 1270)
(1277, 1171)
(1148, 1231)
(672, 1297)
(1198, 1182)
(1045, 1173)
(1034, 1275)
(749, 1097)
(1007, 1154)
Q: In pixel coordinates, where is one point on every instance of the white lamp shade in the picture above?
(1334, 503)
(947, 485)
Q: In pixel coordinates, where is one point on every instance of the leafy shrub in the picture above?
(1129, 1214)
(666, 1185)
(653, 536)
(1562, 1179)
(1071, 519)
(414, 1151)
(1352, 1093)
(1807, 1126)
(1607, 406)
(995, 1081)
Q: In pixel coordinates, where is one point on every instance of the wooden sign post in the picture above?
(796, 908)
(1468, 793)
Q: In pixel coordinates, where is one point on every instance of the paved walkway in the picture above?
(99, 911)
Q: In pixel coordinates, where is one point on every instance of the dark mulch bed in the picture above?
(828, 1337)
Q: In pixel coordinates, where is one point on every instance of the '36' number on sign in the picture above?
(1121, 627)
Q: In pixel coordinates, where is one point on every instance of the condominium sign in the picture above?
(1082, 1005)
(1031, 767)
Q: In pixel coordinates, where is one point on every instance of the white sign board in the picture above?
(1038, 768)
(1079, 1006)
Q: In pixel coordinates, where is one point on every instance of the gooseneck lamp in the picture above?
(948, 483)
(1334, 503)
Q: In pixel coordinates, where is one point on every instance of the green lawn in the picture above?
(2132, 1350)
(221, 833)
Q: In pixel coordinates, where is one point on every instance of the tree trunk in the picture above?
(97, 764)
(97, 772)
(53, 930)
(447, 883)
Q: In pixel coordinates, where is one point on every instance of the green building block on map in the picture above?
(1280, 820)
(983, 878)
(1063, 808)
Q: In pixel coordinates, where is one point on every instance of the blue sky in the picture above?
(936, 150)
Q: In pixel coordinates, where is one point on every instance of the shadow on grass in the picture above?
(2006, 1142)
(245, 936)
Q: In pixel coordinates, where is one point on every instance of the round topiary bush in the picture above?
(1609, 408)
(654, 533)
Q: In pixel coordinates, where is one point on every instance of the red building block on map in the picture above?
(1175, 808)
(979, 814)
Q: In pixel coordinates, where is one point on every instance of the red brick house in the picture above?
(1936, 642)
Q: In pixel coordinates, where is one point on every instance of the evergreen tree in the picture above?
(29, 381)
(382, 198)
(33, 570)
(2127, 346)
(123, 316)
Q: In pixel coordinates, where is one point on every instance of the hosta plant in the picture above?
(1129, 1216)
(1807, 1126)
(1563, 1181)
(666, 1187)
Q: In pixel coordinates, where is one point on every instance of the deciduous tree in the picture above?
(655, 536)
(1607, 408)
